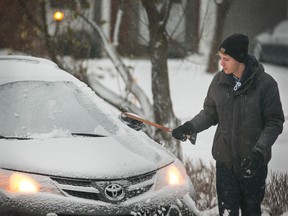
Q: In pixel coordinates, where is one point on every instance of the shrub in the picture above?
(276, 197)
(203, 178)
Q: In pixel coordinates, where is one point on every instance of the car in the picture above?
(272, 46)
(65, 151)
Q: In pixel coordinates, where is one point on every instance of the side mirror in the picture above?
(132, 123)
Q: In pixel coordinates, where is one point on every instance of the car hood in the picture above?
(85, 157)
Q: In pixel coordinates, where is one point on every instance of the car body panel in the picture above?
(95, 158)
(151, 203)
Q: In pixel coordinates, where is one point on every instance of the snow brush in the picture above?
(139, 120)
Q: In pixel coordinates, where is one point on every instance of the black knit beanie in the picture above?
(235, 46)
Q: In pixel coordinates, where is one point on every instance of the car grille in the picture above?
(160, 211)
(95, 189)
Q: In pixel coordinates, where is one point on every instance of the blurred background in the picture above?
(29, 25)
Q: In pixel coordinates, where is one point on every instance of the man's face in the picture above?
(228, 64)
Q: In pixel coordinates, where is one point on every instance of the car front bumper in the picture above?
(163, 202)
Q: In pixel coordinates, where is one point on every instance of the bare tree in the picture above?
(162, 112)
(40, 23)
(47, 42)
(131, 87)
(192, 34)
(158, 13)
(221, 11)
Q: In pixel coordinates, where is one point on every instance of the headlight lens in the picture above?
(23, 184)
(173, 175)
(17, 182)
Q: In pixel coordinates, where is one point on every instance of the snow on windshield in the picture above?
(37, 107)
(56, 133)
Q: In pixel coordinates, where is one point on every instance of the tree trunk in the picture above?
(192, 25)
(221, 13)
(158, 13)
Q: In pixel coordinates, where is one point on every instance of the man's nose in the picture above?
(222, 63)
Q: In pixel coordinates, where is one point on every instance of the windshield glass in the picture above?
(37, 107)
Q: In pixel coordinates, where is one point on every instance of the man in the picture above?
(244, 101)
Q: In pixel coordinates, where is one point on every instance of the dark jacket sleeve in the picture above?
(208, 115)
(272, 112)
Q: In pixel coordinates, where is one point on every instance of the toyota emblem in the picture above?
(114, 192)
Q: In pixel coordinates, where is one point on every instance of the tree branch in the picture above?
(146, 107)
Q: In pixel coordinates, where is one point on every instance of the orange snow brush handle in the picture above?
(191, 137)
(130, 115)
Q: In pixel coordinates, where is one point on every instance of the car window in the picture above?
(36, 107)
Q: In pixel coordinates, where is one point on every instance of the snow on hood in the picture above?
(85, 157)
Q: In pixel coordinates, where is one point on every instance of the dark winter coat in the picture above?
(252, 114)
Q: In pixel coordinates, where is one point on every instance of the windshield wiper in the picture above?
(18, 138)
(74, 134)
(87, 135)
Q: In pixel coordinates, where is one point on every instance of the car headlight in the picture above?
(23, 184)
(173, 175)
(18, 182)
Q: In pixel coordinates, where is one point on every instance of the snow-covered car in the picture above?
(272, 46)
(64, 151)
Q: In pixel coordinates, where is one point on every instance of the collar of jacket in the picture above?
(252, 69)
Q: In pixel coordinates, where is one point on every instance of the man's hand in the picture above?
(183, 130)
(253, 162)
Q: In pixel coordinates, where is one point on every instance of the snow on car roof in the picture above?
(20, 68)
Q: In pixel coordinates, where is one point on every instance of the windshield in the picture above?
(37, 107)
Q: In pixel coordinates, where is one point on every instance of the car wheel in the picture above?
(257, 51)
